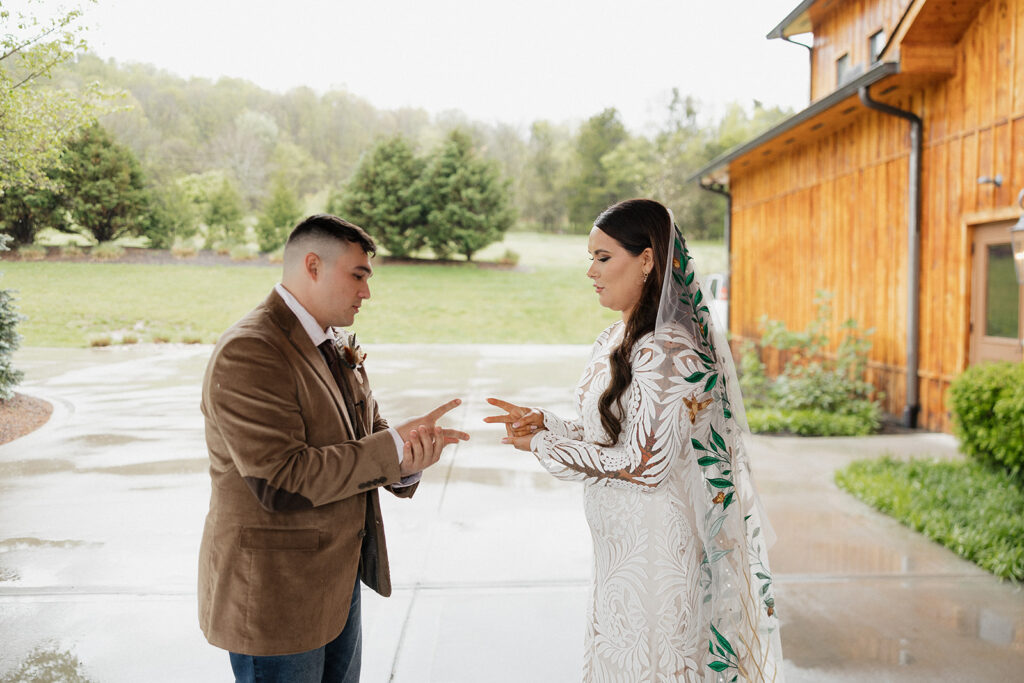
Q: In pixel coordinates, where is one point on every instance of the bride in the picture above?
(682, 588)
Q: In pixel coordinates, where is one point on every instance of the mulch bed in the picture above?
(21, 415)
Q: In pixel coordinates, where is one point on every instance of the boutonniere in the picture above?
(351, 353)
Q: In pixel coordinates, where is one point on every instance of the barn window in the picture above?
(876, 42)
(842, 69)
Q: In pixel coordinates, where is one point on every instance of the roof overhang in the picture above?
(796, 22)
(819, 118)
(803, 18)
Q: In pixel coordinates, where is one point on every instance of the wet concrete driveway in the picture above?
(101, 513)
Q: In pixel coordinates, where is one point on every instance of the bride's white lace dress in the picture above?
(651, 576)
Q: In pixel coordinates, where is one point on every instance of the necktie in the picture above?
(330, 354)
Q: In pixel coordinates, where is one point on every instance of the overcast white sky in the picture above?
(496, 61)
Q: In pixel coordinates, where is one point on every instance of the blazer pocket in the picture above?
(261, 538)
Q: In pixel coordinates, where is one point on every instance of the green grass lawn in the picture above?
(548, 300)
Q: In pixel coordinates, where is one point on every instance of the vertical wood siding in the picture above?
(845, 30)
(831, 214)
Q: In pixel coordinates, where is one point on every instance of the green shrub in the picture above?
(71, 251)
(754, 383)
(809, 422)
(974, 510)
(816, 393)
(107, 251)
(509, 258)
(243, 253)
(183, 250)
(987, 403)
(276, 256)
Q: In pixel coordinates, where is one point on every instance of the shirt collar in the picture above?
(317, 335)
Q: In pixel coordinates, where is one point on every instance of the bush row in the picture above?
(818, 393)
(972, 509)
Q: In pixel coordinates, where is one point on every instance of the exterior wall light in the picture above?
(1017, 237)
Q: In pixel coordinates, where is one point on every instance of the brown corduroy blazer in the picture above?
(294, 513)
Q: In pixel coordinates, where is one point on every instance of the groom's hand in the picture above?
(424, 439)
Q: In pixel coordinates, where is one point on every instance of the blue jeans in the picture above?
(336, 662)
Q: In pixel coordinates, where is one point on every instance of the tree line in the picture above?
(171, 158)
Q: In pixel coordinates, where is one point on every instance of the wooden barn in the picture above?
(896, 189)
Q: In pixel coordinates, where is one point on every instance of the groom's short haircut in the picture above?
(323, 227)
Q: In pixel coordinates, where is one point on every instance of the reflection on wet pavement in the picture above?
(48, 663)
(101, 513)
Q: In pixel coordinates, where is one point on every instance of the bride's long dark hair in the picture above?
(636, 224)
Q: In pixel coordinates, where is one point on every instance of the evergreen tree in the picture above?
(9, 337)
(279, 216)
(106, 193)
(173, 217)
(467, 200)
(382, 199)
(223, 215)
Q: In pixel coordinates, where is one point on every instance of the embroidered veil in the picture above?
(737, 608)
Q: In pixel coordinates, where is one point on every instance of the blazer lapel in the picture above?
(290, 325)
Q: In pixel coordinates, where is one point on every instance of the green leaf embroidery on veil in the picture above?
(715, 461)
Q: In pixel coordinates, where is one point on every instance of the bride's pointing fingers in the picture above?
(504, 405)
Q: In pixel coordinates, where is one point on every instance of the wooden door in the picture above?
(997, 301)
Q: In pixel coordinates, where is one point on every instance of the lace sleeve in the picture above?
(654, 430)
(569, 429)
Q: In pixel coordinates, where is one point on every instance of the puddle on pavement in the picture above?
(854, 622)
(28, 468)
(48, 663)
(504, 478)
(24, 543)
(184, 466)
(103, 440)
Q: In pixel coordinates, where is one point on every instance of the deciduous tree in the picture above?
(36, 118)
(593, 189)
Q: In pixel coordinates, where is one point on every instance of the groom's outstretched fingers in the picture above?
(451, 436)
(430, 420)
(439, 412)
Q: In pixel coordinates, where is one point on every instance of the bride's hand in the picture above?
(519, 421)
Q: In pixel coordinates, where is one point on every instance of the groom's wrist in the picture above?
(399, 443)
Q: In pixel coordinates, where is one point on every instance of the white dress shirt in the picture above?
(318, 336)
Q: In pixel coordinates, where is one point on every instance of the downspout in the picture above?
(719, 188)
(810, 63)
(911, 408)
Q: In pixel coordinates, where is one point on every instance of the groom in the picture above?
(297, 453)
